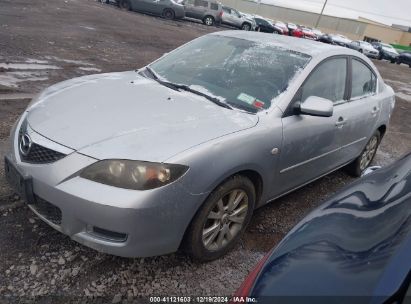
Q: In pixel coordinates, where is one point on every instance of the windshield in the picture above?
(242, 73)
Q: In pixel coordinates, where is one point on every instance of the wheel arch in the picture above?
(253, 175)
(382, 129)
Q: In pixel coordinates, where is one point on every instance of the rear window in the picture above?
(214, 6)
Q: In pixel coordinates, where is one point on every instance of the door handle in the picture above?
(340, 122)
(375, 110)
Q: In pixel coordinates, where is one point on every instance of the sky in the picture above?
(385, 11)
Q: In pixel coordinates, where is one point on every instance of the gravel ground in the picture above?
(55, 40)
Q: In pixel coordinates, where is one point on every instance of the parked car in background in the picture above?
(304, 32)
(326, 38)
(340, 40)
(234, 18)
(317, 33)
(354, 248)
(291, 27)
(168, 9)
(265, 26)
(404, 57)
(364, 47)
(113, 188)
(386, 51)
(208, 11)
(282, 26)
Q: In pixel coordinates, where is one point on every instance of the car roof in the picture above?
(305, 46)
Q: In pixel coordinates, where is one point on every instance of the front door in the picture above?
(311, 143)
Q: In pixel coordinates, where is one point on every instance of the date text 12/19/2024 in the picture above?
(202, 299)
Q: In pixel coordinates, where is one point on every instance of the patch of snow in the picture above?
(28, 66)
(404, 96)
(78, 62)
(89, 69)
(11, 79)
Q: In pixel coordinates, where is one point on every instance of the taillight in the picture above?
(221, 14)
(245, 288)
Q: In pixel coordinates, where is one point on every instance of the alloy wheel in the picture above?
(225, 220)
(246, 27)
(208, 21)
(369, 153)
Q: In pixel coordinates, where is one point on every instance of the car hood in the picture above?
(357, 244)
(125, 115)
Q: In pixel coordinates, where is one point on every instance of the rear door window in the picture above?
(201, 3)
(214, 6)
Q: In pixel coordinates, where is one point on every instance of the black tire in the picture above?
(392, 60)
(193, 243)
(276, 32)
(246, 27)
(169, 14)
(208, 20)
(409, 65)
(125, 5)
(356, 168)
(380, 56)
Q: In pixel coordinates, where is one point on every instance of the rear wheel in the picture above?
(246, 27)
(222, 220)
(364, 160)
(208, 20)
(125, 5)
(169, 14)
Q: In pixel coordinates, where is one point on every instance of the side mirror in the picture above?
(317, 106)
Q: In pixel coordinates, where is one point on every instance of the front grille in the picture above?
(41, 155)
(32, 152)
(47, 210)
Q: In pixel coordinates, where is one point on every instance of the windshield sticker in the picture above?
(246, 98)
(258, 104)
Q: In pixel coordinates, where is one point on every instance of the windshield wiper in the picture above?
(177, 87)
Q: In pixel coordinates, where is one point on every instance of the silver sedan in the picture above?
(178, 154)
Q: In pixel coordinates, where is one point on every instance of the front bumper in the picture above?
(117, 221)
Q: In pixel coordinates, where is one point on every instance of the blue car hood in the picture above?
(354, 248)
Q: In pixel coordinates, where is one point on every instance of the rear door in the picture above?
(311, 143)
(360, 114)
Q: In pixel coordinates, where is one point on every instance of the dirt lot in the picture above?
(50, 41)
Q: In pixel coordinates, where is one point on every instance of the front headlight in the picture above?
(131, 174)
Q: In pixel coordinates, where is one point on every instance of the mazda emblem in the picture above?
(25, 144)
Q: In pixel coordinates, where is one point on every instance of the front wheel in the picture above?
(367, 155)
(125, 5)
(169, 14)
(222, 220)
(208, 20)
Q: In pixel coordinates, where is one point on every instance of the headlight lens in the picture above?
(135, 175)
